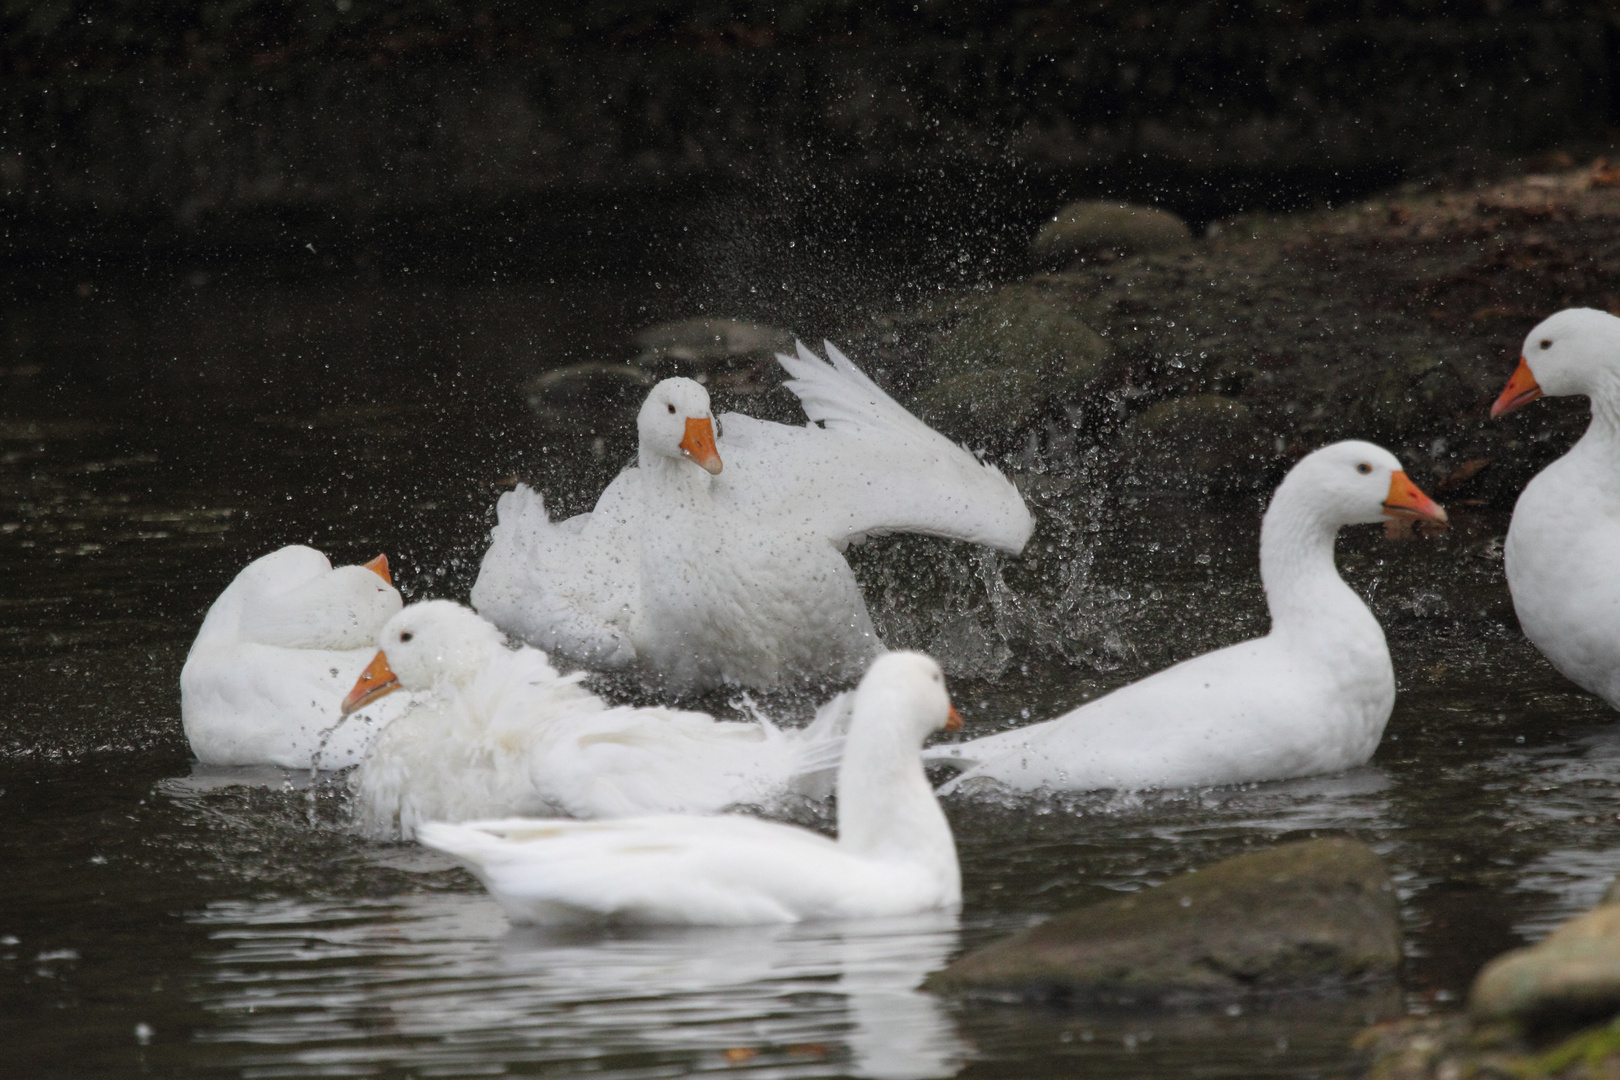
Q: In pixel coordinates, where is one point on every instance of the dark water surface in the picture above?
(159, 430)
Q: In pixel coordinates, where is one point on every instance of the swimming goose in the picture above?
(499, 732)
(1312, 696)
(718, 558)
(276, 652)
(1562, 555)
(894, 854)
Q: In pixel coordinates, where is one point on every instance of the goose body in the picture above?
(894, 854)
(1562, 554)
(499, 732)
(1312, 696)
(718, 558)
(274, 656)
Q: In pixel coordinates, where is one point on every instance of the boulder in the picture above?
(1105, 227)
(1316, 915)
(1573, 974)
(702, 346)
(1010, 358)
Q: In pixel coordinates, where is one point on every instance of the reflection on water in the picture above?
(439, 981)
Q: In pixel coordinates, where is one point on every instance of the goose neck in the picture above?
(672, 478)
(1301, 581)
(886, 808)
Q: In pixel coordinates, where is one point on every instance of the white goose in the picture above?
(1312, 696)
(1562, 556)
(703, 575)
(275, 654)
(499, 732)
(894, 854)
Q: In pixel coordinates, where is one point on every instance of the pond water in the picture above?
(160, 428)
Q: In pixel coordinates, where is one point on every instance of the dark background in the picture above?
(382, 132)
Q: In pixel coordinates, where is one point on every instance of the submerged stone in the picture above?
(693, 346)
(563, 393)
(1316, 915)
(1095, 227)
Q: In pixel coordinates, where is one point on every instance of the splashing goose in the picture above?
(1312, 696)
(500, 732)
(268, 670)
(1562, 555)
(705, 572)
(894, 854)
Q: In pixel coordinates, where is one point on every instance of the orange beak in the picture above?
(374, 682)
(1406, 501)
(1522, 389)
(379, 566)
(699, 444)
(953, 720)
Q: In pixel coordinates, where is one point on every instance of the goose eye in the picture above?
(1364, 468)
(671, 409)
(1546, 343)
(406, 636)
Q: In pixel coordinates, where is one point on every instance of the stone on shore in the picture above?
(1309, 916)
(1572, 974)
(1102, 227)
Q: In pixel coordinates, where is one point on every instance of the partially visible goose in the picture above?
(718, 559)
(1562, 556)
(498, 732)
(277, 651)
(894, 854)
(1312, 696)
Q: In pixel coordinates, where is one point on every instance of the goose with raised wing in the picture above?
(718, 558)
(894, 854)
(497, 732)
(1312, 696)
(1562, 554)
(278, 649)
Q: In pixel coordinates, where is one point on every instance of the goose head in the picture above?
(1576, 351)
(424, 646)
(675, 422)
(906, 689)
(325, 608)
(1356, 483)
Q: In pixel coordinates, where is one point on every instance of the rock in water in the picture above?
(1316, 915)
(1104, 227)
(1573, 974)
(1002, 364)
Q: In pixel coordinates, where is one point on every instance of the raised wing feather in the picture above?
(870, 466)
(566, 587)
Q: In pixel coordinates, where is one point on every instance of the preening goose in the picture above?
(276, 652)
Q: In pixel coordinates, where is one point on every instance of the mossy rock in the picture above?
(1316, 915)
(1095, 227)
(1008, 360)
